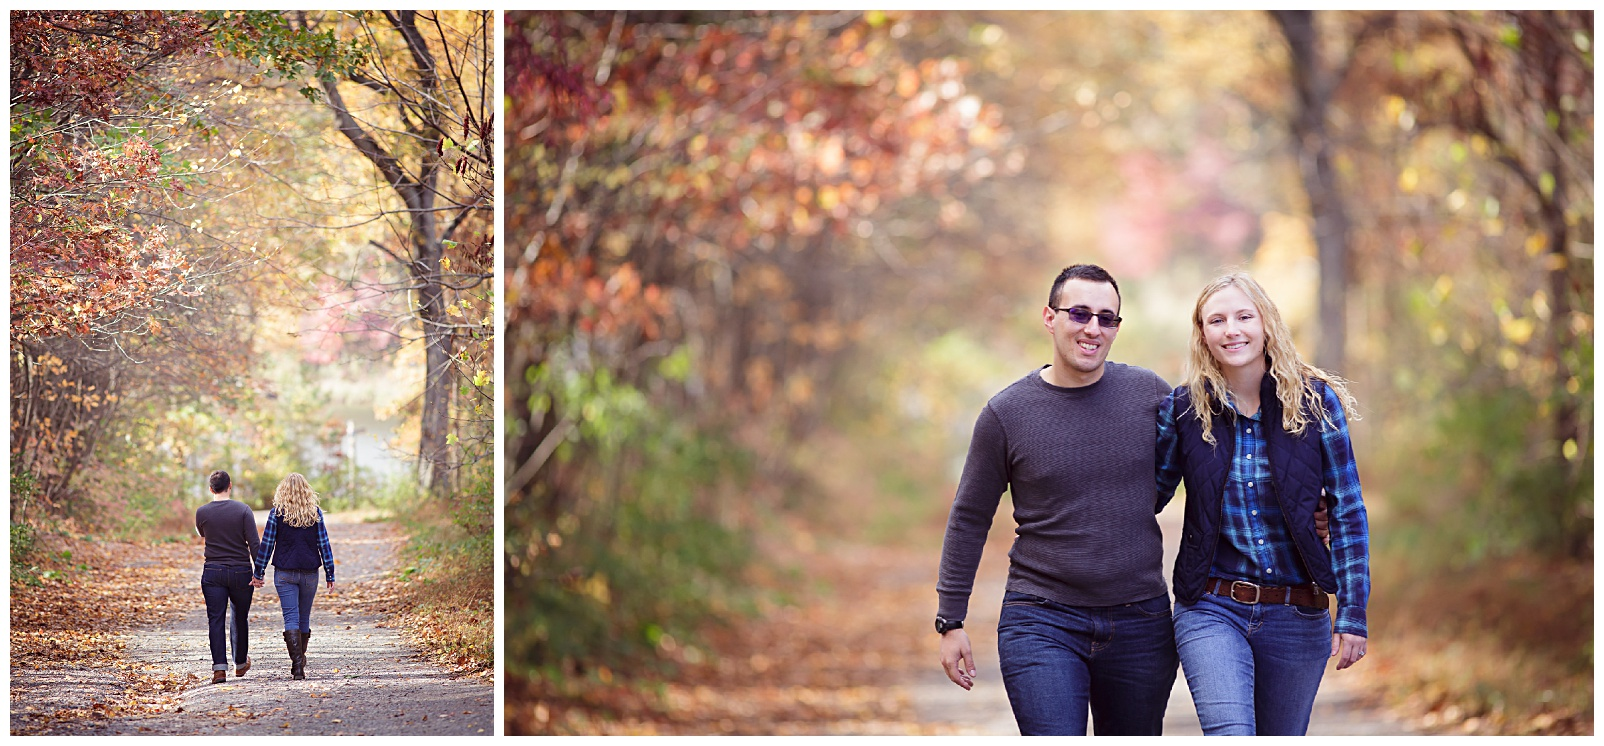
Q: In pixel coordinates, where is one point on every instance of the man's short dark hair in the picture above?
(220, 482)
(1089, 272)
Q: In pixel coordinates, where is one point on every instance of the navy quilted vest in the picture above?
(1296, 464)
(296, 548)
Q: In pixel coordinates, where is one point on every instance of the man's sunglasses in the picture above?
(1083, 316)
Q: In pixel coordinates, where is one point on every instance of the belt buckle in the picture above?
(1258, 591)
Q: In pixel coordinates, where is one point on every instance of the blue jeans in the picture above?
(1057, 659)
(296, 589)
(1252, 668)
(223, 586)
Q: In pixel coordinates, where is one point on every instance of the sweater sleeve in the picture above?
(985, 477)
(253, 542)
(1168, 466)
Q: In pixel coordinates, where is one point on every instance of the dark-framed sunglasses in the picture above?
(1084, 316)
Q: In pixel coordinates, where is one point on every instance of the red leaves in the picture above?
(82, 60)
(76, 260)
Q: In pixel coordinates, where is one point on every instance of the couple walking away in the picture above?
(296, 542)
(1091, 451)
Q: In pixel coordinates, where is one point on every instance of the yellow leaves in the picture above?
(829, 198)
(1441, 288)
(1517, 330)
(1536, 244)
(1409, 180)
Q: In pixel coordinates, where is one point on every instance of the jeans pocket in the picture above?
(1157, 606)
(1312, 614)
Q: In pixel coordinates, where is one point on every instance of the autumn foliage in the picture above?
(82, 268)
(88, 61)
(712, 206)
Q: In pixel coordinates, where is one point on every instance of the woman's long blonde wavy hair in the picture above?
(1294, 378)
(295, 501)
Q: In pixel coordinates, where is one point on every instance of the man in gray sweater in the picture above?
(229, 528)
(1086, 617)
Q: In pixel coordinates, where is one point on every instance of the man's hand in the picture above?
(1348, 649)
(331, 586)
(1322, 521)
(257, 583)
(957, 659)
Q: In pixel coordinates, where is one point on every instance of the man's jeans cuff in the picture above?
(219, 666)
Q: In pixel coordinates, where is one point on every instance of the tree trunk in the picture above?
(1314, 84)
(434, 458)
(422, 121)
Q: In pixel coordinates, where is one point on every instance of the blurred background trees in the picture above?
(759, 260)
(705, 239)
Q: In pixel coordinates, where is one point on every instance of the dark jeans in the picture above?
(296, 589)
(1057, 659)
(223, 586)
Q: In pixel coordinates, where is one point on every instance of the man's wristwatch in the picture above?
(943, 626)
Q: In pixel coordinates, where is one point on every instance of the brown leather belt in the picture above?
(1248, 593)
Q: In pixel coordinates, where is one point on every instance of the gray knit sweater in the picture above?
(1079, 463)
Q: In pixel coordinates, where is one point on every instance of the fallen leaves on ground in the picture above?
(1502, 650)
(449, 615)
(828, 664)
(75, 618)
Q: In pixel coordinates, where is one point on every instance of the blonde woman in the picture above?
(1258, 435)
(297, 543)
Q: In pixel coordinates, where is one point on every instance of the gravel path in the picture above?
(361, 677)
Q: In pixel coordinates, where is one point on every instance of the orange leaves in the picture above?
(559, 289)
(96, 590)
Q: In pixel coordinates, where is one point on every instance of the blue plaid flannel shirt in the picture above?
(270, 538)
(1255, 544)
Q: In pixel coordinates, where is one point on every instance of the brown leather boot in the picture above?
(241, 668)
(299, 670)
(292, 642)
(219, 677)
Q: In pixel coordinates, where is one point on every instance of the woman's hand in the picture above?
(1347, 649)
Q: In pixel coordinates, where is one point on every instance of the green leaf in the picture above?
(1510, 37)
